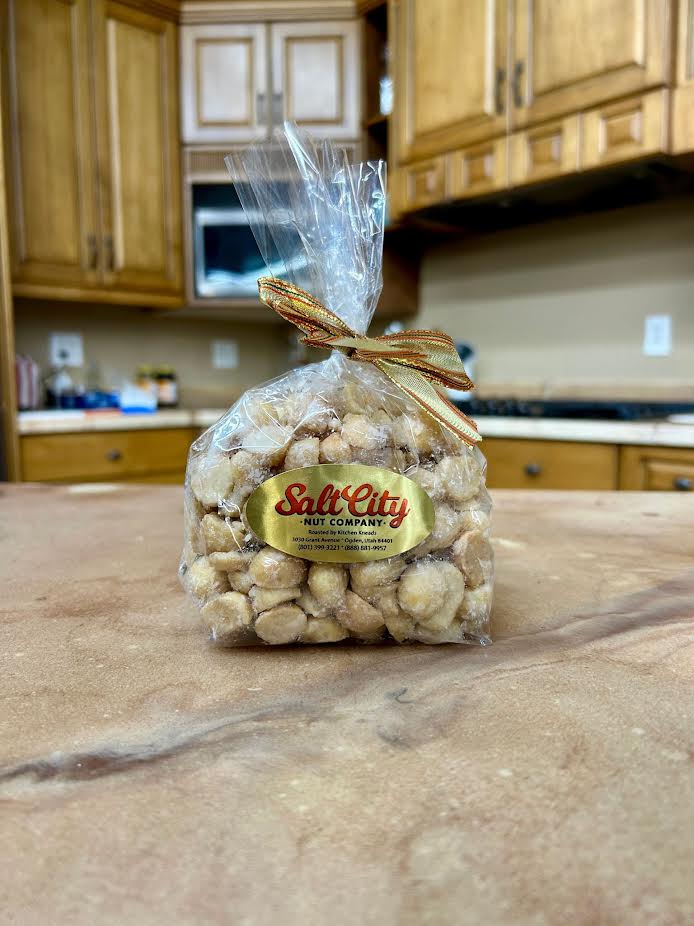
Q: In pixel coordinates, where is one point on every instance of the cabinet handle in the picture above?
(110, 259)
(114, 455)
(682, 484)
(92, 253)
(260, 101)
(517, 77)
(533, 469)
(277, 109)
(499, 90)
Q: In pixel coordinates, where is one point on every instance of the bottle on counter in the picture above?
(145, 379)
(167, 387)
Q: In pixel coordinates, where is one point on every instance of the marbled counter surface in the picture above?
(148, 778)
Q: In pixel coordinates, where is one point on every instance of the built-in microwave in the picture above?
(226, 259)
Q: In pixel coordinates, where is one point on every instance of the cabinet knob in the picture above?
(92, 253)
(499, 90)
(532, 469)
(682, 484)
(110, 259)
(114, 455)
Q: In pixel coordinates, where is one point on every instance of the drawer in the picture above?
(536, 464)
(656, 469)
(622, 131)
(477, 170)
(424, 183)
(545, 151)
(104, 455)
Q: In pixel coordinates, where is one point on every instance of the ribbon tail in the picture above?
(431, 400)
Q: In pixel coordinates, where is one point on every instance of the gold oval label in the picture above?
(340, 513)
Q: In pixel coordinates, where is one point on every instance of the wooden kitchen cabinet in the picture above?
(239, 80)
(154, 455)
(568, 57)
(660, 469)
(92, 146)
(48, 141)
(139, 168)
(538, 464)
(450, 75)
(224, 84)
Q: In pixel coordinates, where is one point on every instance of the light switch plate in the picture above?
(66, 349)
(225, 355)
(657, 336)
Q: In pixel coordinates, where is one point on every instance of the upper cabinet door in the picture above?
(315, 76)
(138, 147)
(224, 83)
(569, 56)
(48, 134)
(450, 87)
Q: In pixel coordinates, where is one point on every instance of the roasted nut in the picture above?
(476, 603)
(475, 519)
(472, 554)
(227, 615)
(221, 534)
(385, 600)
(203, 580)
(265, 598)
(327, 583)
(453, 584)
(372, 577)
(271, 568)
(233, 561)
(282, 624)
(358, 431)
(427, 477)
(419, 432)
(310, 604)
(302, 453)
(360, 617)
(335, 449)
(401, 626)
(211, 480)
(421, 592)
(323, 630)
(241, 581)
(459, 476)
(447, 525)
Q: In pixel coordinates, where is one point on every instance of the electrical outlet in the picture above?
(657, 336)
(225, 355)
(66, 349)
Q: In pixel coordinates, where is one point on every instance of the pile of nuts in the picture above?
(440, 591)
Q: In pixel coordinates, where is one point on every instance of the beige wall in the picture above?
(119, 339)
(565, 301)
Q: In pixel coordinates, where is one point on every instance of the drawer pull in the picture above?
(114, 455)
(682, 484)
(533, 469)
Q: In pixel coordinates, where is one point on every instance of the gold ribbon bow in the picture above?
(418, 362)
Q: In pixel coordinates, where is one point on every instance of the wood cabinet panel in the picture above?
(315, 76)
(626, 130)
(528, 464)
(49, 142)
(451, 68)
(139, 165)
(224, 82)
(423, 184)
(568, 57)
(660, 469)
(104, 455)
(479, 169)
(545, 151)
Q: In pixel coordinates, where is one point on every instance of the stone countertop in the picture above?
(610, 432)
(149, 778)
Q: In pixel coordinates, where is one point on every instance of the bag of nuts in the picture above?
(345, 499)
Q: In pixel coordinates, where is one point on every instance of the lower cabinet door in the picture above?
(656, 469)
(538, 464)
(156, 455)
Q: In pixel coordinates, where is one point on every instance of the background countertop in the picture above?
(149, 778)
(610, 432)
